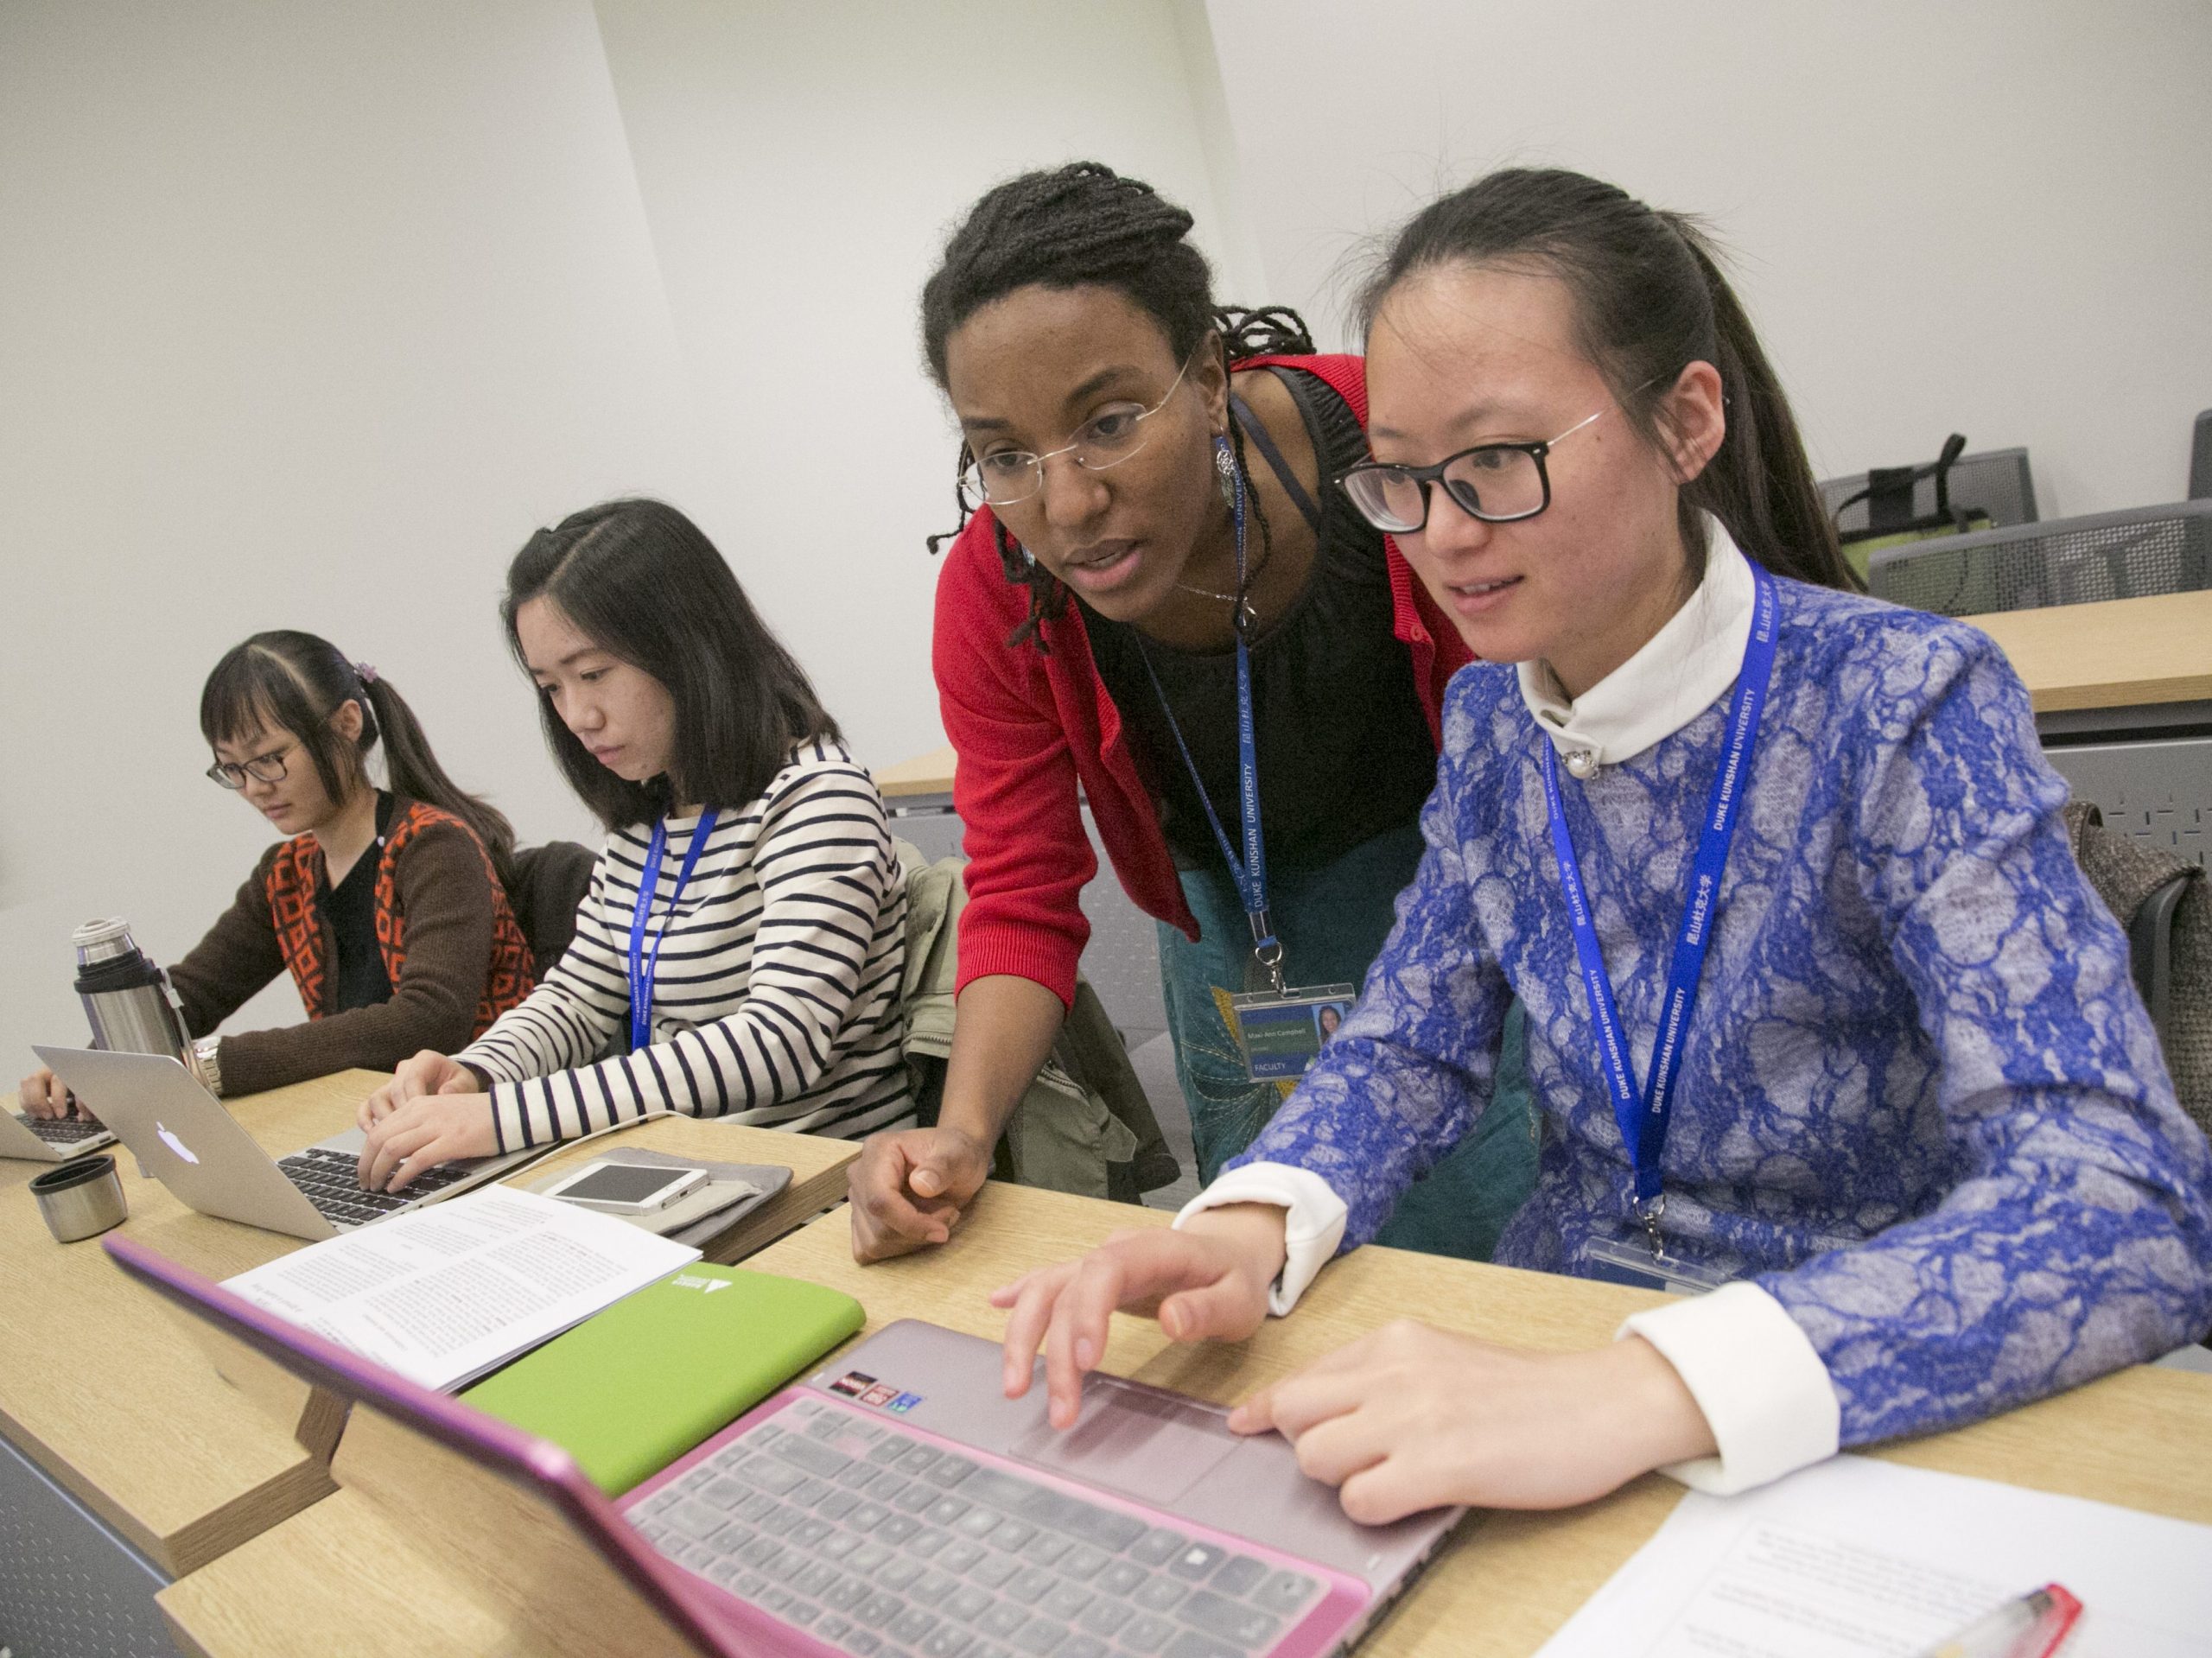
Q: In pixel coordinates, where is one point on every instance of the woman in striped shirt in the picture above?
(758, 979)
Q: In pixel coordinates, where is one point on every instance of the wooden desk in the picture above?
(2123, 653)
(924, 774)
(114, 1395)
(345, 1578)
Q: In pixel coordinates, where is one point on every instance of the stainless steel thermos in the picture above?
(126, 997)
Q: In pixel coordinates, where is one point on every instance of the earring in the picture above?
(1224, 467)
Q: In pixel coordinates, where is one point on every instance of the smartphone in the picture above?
(627, 1188)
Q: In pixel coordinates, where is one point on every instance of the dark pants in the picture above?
(1332, 922)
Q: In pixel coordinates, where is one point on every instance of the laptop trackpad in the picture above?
(1132, 1440)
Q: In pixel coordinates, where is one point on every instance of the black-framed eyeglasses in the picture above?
(261, 768)
(1498, 482)
(1112, 436)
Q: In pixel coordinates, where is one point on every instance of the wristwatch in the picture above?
(204, 1060)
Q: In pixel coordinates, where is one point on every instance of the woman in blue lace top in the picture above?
(1920, 1159)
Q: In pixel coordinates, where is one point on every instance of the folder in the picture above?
(630, 1389)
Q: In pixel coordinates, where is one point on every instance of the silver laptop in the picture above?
(182, 1136)
(897, 1501)
(49, 1140)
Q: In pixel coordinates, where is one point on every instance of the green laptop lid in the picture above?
(630, 1389)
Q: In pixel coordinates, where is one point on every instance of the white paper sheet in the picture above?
(1859, 1559)
(446, 1294)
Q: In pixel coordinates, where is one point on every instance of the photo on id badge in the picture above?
(1281, 1033)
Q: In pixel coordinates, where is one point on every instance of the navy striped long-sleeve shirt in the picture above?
(776, 1000)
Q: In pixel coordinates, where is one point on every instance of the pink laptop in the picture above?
(895, 1504)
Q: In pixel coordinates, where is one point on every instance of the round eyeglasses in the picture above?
(1107, 439)
(261, 768)
(1498, 482)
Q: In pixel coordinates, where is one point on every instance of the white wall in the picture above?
(802, 162)
(1991, 216)
(310, 315)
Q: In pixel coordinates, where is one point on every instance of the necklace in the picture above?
(1247, 615)
(1241, 595)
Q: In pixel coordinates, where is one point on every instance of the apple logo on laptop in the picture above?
(172, 1142)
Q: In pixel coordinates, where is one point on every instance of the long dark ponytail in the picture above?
(1084, 224)
(297, 681)
(1650, 300)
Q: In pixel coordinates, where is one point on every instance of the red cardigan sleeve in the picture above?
(1014, 786)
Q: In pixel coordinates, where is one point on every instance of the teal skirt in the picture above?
(1332, 922)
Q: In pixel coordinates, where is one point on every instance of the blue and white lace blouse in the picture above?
(1921, 1111)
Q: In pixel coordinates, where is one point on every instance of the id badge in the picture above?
(1282, 1032)
(1633, 1262)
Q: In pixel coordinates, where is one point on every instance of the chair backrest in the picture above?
(551, 881)
(2200, 459)
(1996, 482)
(2165, 906)
(2067, 561)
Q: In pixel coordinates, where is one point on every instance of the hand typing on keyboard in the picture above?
(1406, 1419)
(1208, 1279)
(428, 1130)
(42, 1096)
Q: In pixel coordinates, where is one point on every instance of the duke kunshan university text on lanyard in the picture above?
(1279, 1028)
(644, 967)
(1643, 1117)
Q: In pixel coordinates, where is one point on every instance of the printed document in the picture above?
(1861, 1559)
(445, 1293)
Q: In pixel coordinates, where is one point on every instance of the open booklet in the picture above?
(446, 1294)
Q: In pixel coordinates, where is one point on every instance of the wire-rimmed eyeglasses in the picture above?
(1107, 439)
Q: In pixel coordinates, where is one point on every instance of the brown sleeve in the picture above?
(445, 895)
(238, 956)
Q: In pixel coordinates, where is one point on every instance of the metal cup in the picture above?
(81, 1200)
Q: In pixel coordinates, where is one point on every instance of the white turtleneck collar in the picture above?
(1681, 670)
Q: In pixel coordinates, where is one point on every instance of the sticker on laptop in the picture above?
(879, 1396)
(852, 1384)
(904, 1402)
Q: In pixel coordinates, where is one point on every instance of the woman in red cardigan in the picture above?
(1120, 434)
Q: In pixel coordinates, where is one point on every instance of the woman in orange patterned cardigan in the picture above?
(388, 907)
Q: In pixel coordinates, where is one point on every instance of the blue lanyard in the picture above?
(1644, 1119)
(644, 968)
(1251, 872)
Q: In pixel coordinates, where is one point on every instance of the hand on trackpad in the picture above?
(1132, 1440)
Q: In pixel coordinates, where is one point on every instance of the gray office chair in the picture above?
(2161, 900)
(2067, 561)
(550, 885)
(1996, 482)
(2200, 459)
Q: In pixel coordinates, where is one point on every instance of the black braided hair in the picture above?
(1077, 226)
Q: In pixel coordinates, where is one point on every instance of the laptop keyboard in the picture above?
(61, 1131)
(332, 1181)
(878, 1542)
